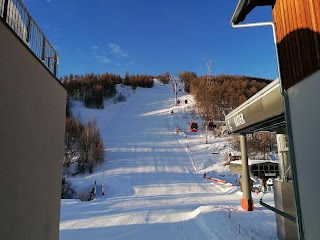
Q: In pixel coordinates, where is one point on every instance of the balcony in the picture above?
(15, 15)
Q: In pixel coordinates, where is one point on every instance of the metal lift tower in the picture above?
(209, 75)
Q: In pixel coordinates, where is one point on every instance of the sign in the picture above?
(270, 174)
(239, 120)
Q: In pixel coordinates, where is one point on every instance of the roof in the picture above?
(244, 7)
(262, 112)
(235, 153)
(254, 161)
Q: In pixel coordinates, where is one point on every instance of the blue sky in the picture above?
(153, 37)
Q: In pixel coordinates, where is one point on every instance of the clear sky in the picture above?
(153, 37)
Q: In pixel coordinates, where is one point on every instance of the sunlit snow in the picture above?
(154, 178)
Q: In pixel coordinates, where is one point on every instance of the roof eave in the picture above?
(244, 7)
(238, 15)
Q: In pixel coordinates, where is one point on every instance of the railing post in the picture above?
(28, 28)
(5, 10)
(55, 64)
(48, 63)
(43, 48)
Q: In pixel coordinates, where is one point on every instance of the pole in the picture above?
(175, 88)
(246, 201)
(206, 133)
(176, 92)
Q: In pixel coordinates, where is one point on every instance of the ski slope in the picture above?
(153, 179)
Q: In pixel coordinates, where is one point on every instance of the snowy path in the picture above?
(152, 189)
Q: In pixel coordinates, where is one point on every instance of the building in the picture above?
(32, 123)
(296, 27)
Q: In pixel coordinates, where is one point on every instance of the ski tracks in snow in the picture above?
(153, 188)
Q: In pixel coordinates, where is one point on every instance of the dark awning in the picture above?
(244, 7)
(262, 112)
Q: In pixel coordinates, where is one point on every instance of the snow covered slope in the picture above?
(154, 182)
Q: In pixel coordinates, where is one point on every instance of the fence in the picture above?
(14, 13)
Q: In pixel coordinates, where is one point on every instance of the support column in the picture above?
(284, 163)
(246, 201)
(280, 141)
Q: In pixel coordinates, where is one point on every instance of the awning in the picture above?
(244, 7)
(262, 112)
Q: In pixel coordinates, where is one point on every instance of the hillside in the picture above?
(154, 177)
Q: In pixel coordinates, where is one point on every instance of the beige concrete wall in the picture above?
(32, 122)
(284, 201)
(304, 101)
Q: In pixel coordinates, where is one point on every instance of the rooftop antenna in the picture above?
(209, 83)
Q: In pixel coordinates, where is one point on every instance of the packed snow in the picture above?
(153, 177)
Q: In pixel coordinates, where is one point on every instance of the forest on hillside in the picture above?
(92, 89)
(83, 143)
(84, 147)
(226, 92)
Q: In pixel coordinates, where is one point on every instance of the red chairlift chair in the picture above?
(211, 125)
(193, 127)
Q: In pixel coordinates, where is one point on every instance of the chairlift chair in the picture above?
(193, 127)
(211, 125)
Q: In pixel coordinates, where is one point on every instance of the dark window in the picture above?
(254, 167)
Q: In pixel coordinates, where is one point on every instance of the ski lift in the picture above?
(211, 125)
(193, 126)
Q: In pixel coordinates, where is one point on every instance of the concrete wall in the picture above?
(284, 201)
(32, 122)
(304, 100)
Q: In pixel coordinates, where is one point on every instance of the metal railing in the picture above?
(14, 13)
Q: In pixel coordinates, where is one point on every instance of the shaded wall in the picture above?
(32, 122)
(304, 102)
(284, 201)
